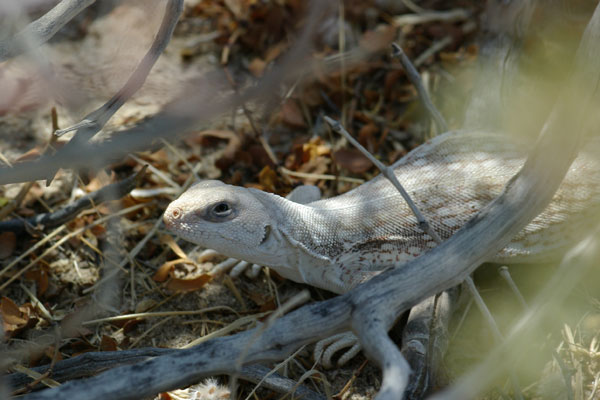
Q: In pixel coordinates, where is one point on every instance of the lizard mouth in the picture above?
(266, 234)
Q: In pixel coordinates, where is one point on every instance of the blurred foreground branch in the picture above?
(93, 122)
(41, 30)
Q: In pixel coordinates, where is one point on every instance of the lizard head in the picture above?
(225, 218)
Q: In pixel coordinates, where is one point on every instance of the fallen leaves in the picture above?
(16, 318)
(41, 276)
(188, 285)
(8, 244)
(309, 156)
(108, 343)
(291, 114)
(352, 160)
(166, 272)
(269, 179)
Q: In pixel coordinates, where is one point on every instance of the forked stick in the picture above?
(413, 76)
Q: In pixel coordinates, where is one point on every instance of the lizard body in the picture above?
(340, 242)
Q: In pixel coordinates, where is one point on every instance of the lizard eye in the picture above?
(221, 209)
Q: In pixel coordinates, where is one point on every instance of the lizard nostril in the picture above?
(171, 215)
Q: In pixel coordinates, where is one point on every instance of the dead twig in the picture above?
(388, 172)
(413, 76)
(458, 14)
(113, 191)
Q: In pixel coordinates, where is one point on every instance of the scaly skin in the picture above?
(340, 242)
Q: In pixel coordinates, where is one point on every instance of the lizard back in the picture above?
(450, 178)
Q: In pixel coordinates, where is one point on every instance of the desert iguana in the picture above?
(340, 242)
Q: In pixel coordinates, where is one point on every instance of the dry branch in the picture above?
(93, 363)
(218, 356)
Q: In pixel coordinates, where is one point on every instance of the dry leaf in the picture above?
(81, 346)
(164, 271)
(353, 160)
(129, 325)
(368, 131)
(15, 318)
(236, 7)
(8, 243)
(319, 165)
(379, 39)
(292, 115)
(188, 285)
(169, 241)
(11, 313)
(159, 158)
(257, 67)
(145, 305)
(314, 148)
(40, 276)
(108, 343)
(389, 82)
(268, 178)
(274, 51)
(98, 230)
(100, 180)
(52, 354)
(366, 135)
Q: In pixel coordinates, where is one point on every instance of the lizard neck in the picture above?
(328, 228)
(325, 241)
(296, 222)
